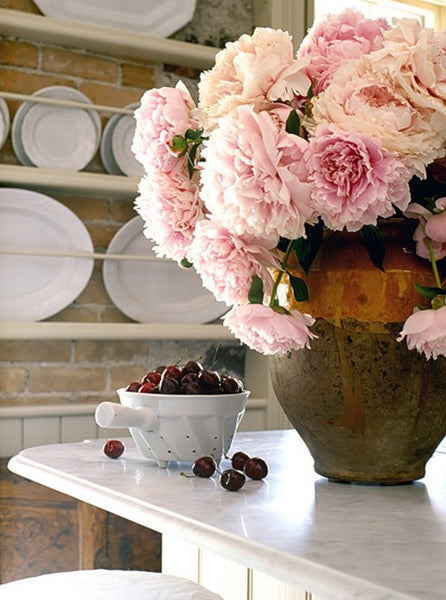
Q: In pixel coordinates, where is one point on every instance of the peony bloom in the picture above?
(436, 232)
(436, 224)
(425, 330)
(256, 70)
(170, 208)
(336, 39)
(250, 180)
(267, 331)
(353, 180)
(366, 102)
(413, 58)
(227, 263)
(163, 114)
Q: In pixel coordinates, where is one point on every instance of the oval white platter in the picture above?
(36, 287)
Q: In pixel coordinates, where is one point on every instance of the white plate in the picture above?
(107, 158)
(150, 17)
(36, 287)
(155, 291)
(4, 121)
(116, 145)
(121, 142)
(60, 137)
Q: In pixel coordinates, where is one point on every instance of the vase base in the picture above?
(370, 478)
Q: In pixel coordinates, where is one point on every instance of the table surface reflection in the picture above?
(337, 540)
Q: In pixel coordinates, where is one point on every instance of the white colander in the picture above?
(168, 427)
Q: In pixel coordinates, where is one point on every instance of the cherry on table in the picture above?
(204, 466)
(255, 468)
(239, 460)
(113, 448)
(232, 480)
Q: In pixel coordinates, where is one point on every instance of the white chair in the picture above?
(100, 584)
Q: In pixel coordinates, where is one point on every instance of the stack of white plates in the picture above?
(56, 136)
(4, 121)
(116, 145)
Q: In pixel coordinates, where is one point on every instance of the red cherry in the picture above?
(232, 480)
(133, 387)
(148, 388)
(152, 376)
(256, 468)
(238, 461)
(113, 448)
(172, 371)
(204, 466)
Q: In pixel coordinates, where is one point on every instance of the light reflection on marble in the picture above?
(339, 541)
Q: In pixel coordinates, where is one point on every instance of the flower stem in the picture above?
(280, 274)
(433, 263)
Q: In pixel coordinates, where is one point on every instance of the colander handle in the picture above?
(111, 414)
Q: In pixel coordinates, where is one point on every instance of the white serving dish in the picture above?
(171, 427)
(4, 122)
(116, 145)
(150, 17)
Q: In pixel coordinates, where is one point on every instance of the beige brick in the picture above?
(12, 379)
(111, 350)
(76, 314)
(69, 62)
(122, 210)
(65, 379)
(114, 315)
(23, 5)
(13, 80)
(87, 208)
(109, 95)
(20, 54)
(94, 293)
(35, 350)
(122, 376)
(137, 76)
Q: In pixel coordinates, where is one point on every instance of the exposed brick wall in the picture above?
(47, 371)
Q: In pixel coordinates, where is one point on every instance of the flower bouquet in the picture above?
(283, 148)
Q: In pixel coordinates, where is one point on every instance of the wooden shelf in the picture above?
(69, 181)
(53, 330)
(106, 40)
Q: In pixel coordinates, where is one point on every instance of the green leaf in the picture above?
(300, 289)
(292, 124)
(192, 135)
(255, 294)
(185, 264)
(373, 240)
(307, 248)
(430, 292)
(179, 144)
(191, 159)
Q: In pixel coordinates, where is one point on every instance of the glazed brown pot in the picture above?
(368, 409)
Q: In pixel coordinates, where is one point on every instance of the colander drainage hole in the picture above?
(194, 451)
(187, 437)
(161, 437)
(215, 437)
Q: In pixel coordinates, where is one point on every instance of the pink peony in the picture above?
(250, 180)
(413, 58)
(366, 102)
(353, 180)
(227, 263)
(425, 330)
(163, 114)
(436, 224)
(170, 208)
(267, 331)
(336, 39)
(255, 70)
(420, 236)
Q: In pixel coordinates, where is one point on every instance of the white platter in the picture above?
(36, 287)
(155, 291)
(4, 121)
(150, 17)
(56, 137)
(116, 145)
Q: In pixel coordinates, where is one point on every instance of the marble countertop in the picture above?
(336, 540)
